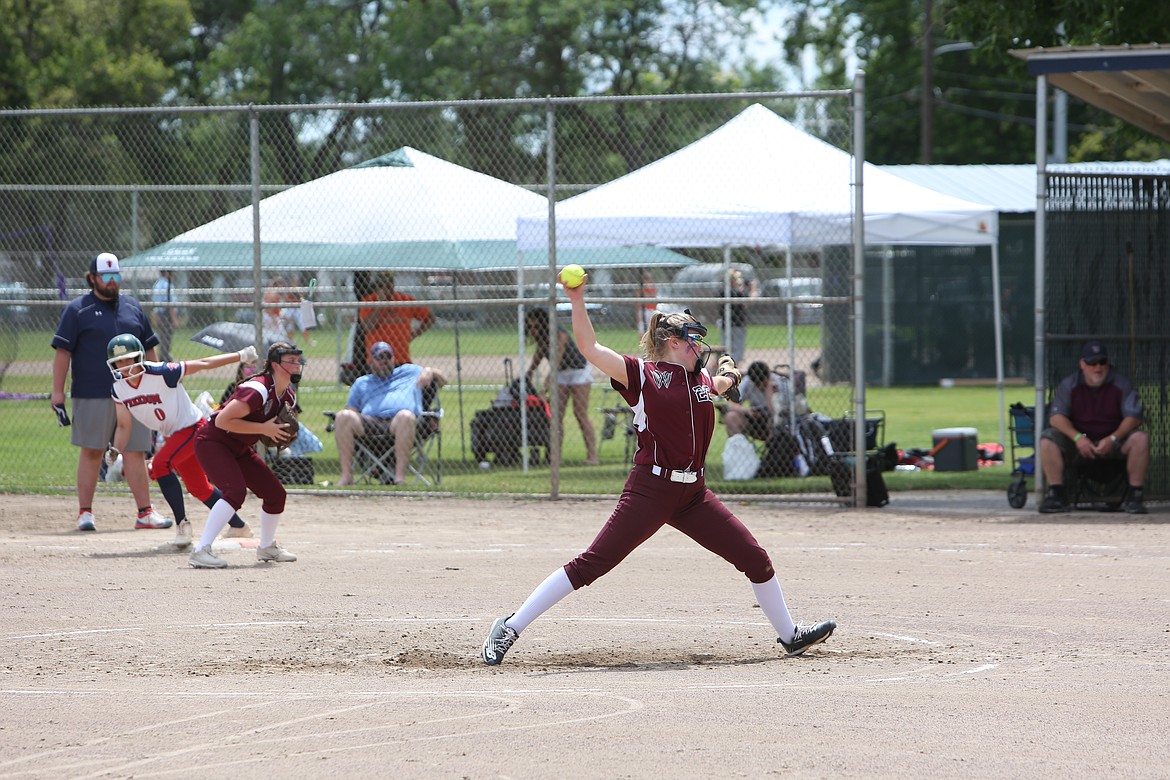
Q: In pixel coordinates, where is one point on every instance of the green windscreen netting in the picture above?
(930, 310)
(1108, 277)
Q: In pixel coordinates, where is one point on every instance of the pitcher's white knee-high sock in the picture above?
(554, 588)
(217, 518)
(771, 600)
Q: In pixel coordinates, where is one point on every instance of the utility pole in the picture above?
(926, 99)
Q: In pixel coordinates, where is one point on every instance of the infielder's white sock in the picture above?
(554, 588)
(217, 518)
(268, 523)
(771, 601)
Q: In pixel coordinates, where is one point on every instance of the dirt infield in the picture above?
(989, 643)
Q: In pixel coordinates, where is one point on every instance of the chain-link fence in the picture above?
(399, 223)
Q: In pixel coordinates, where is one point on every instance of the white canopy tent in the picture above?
(759, 181)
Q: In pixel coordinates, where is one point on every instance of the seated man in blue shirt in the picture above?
(387, 400)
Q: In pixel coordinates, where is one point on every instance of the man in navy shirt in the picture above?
(1095, 414)
(86, 327)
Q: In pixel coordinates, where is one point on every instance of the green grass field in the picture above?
(35, 454)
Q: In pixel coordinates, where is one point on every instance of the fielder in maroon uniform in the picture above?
(672, 396)
(224, 449)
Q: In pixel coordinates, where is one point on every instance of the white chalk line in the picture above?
(632, 705)
(247, 736)
(911, 639)
(212, 745)
(151, 727)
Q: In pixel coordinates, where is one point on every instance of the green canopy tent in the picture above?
(403, 211)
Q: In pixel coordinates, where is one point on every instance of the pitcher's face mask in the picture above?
(692, 334)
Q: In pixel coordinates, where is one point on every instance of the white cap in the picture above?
(105, 263)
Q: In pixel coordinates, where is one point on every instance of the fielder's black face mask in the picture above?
(279, 356)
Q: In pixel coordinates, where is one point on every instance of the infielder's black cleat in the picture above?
(498, 641)
(807, 636)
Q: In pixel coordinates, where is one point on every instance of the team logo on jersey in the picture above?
(661, 378)
(702, 393)
(139, 400)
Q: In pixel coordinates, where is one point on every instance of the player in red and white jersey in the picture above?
(153, 394)
(225, 450)
(672, 396)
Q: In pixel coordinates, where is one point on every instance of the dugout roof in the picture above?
(1130, 82)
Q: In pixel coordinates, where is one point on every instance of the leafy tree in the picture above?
(309, 51)
(532, 48)
(1000, 26)
(1003, 25)
(982, 96)
(89, 52)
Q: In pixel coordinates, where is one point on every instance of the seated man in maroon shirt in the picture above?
(1095, 414)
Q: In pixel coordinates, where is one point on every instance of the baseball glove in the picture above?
(286, 415)
(728, 369)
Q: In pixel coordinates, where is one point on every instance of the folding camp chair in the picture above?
(1100, 483)
(374, 456)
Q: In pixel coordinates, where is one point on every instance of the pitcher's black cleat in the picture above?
(807, 636)
(498, 641)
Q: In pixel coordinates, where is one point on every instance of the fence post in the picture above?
(859, 289)
(554, 343)
(258, 298)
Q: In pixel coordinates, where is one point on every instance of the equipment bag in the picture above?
(876, 493)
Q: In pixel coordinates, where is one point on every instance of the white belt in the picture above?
(686, 477)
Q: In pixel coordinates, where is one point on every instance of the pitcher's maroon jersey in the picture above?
(659, 392)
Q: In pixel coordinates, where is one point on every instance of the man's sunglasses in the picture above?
(107, 278)
(1097, 361)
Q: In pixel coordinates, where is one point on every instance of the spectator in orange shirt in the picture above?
(395, 326)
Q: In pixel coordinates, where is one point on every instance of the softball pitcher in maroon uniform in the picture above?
(672, 397)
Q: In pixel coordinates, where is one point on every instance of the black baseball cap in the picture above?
(1094, 349)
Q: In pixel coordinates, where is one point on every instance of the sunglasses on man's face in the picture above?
(1097, 361)
(107, 278)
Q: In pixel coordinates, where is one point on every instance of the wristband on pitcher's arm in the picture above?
(1078, 437)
